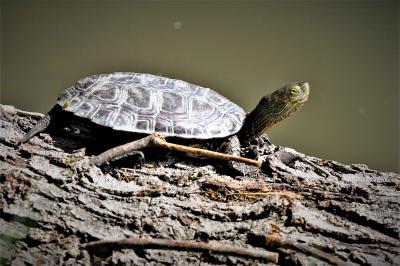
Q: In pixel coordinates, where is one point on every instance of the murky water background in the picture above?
(347, 50)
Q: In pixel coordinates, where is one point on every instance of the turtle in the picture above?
(161, 107)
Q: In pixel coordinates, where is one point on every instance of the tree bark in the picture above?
(57, 209)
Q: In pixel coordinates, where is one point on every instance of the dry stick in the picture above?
(121, 150)
(103, 246)
(274, 240)
(26, 113)
(159, 141)
(156, 139)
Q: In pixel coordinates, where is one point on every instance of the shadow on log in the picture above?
(56, 209)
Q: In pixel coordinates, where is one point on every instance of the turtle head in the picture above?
(274, 107)
(292, 96)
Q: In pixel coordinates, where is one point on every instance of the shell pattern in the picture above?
(145, 103)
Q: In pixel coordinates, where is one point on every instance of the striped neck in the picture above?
(271, 109)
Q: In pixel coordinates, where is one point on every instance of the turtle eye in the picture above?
(294, 90)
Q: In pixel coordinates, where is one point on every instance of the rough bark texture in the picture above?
(302, 209)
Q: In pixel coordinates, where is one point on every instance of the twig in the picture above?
(103, 246)
(121, 150)
(275, 241)
(26, 113)
(157, 140)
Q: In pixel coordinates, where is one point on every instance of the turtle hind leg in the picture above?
(42, 125)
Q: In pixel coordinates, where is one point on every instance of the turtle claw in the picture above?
(171, 159)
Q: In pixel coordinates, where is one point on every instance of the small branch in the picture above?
(33, 114)
(121, 150)
(11, 110)
(103, 246)
(204, 153)
(157, 140)
(275, 241)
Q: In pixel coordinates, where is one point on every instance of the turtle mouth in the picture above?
(303, 99)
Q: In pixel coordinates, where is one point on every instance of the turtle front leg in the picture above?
(232, 146)
(158, 140)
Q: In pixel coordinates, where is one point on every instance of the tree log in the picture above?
(56, 208)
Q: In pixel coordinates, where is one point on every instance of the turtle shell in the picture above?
(145, 103)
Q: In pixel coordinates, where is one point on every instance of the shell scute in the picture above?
(104, 116)
(173, 103)
(139, 97)
(124, 121)
(163, 126)
(201, 109)
(107, 93)
(143, 125)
